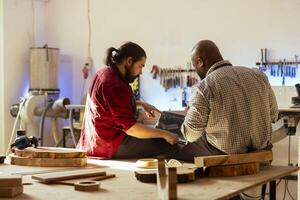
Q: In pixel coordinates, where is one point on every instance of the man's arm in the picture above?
(148, 108)
(197, 116)
(141, 131)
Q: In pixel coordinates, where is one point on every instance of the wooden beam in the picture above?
(208, 161)
(232, 170)
(166, 183)
(10, 180)
(11, 191)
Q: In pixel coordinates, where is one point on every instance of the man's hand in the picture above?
(150, 110)
(170, 138)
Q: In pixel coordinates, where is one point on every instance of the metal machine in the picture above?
(42, 99)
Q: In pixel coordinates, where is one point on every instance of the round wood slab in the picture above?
(50, 152)
(48, 162)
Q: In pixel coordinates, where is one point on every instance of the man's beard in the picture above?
(128, 75)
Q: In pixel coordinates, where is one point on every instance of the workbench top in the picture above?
(125, 185)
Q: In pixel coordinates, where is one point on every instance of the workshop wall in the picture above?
(168, 30)
(17, 38)
(2, 135)
(22, 25)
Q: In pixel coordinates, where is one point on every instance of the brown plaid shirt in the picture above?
(234, 106)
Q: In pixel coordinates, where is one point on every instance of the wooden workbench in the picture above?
(125, 185)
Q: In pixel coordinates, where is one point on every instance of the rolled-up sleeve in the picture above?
(197, 115)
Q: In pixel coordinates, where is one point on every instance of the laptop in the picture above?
(172, 122)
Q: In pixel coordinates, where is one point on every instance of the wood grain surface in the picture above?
(48, 162)
(50, 152)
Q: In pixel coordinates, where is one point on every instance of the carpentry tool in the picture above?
(22, 141)
(296, 60)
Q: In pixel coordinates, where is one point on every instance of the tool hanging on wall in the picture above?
(284, 68)
(173, 77)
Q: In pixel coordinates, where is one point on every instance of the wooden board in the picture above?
(67, 175)
(232, 170)
(11, 191)
(97, 178)
(10, 181)
(166, 182)
(207, 161)
(50, 152)
(48, 162)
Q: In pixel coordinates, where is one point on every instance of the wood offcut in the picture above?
(208, 161)
(166, 183)
(67, 175)
(10, 185)
(232, 170)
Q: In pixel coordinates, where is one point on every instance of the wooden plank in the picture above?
(48, 162)
(207, 161)
(232, 170)
(10, 180)
(67, 175)
(11, 191)
(166, 183)
(50, 152)
(98, 178)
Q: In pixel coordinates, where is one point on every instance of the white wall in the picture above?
(2, 130)
(22, 22)
(169, 29)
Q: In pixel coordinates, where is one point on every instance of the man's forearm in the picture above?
(141, 131)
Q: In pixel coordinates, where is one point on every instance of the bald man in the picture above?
(231, 109)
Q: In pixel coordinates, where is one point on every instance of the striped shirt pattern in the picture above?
(234, 106)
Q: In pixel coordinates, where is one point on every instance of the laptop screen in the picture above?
(172, 122)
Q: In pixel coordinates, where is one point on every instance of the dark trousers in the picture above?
(132, 147)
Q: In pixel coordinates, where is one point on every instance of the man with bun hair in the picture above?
(110, 128)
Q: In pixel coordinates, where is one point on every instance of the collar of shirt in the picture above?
(117, 71)
(218, 65)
